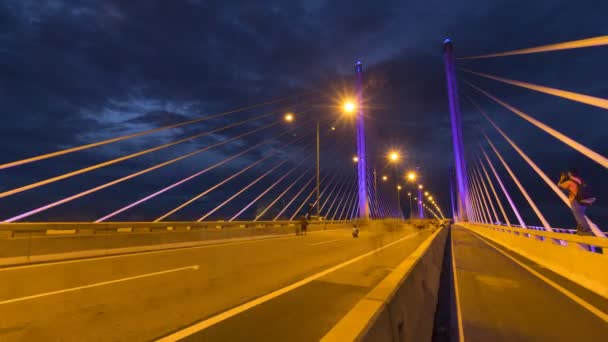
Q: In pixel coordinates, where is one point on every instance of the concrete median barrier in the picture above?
(31, 243)
(402, 306)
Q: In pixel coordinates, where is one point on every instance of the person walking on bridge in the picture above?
(579, 197)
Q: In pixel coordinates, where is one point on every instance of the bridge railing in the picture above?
(582, 259)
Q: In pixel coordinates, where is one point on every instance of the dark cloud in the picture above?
(75, 72)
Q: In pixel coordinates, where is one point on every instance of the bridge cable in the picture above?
(274, 168)
(581, 98)
(191, 177)
(504, 189)
(477, 200)
(482, 198)
(138, 134)
(346, 209)
(285, 175)
(133, 175)
(339, 194)
(347, 194)
(250, 184)
(475, 207)
(282, 194)
(521, 188)
(123, 158)
(314, 177)
(574, 44)
(500, 206)
(331, 192)
(598, 158)
(534, 166)
(330, 181)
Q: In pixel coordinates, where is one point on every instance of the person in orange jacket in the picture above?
(578, 197)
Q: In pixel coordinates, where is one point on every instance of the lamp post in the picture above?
(409, 194)
(411, 178)
(420, 197)
(399, 200)
(318, 174)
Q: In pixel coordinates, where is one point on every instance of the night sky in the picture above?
(76, 72)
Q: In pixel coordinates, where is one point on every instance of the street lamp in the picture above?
(289, 117)
(411, 176)
(355, 159)
(349, 106)
(393, 156)
(399, 199)
(384, 178)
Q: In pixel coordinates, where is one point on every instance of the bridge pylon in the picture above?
(462, 190)
(362, 163)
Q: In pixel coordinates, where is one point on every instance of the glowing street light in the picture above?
(393, 156)
(289, 117)
(426, 193)
(333, 128)
(431, 198)
(349, 107)
(384, 178)
(399, 187)
(355, 159)
(420, 186)
(411, 176)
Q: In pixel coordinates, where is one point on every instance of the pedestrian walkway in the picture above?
(500, 298)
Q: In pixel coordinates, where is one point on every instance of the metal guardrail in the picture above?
(8, 230)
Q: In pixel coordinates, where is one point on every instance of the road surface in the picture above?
(499, 300)
(146, 296)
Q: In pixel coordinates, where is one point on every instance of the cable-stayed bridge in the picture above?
(262, 247)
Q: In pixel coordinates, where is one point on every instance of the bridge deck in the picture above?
(148, 295)
(499, 300)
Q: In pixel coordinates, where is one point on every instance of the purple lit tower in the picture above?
(362, 164)
(461, 174)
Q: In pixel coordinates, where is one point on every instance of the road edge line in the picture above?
(597, 312)
(103, 283)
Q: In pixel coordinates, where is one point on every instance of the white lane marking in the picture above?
(72, 289)
(456, 292)
(175, 249)
(244, 307)
(324, 242)
(599, 313)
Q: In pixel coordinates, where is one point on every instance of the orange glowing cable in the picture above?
(297, 195)
(586, 99)
(130, 176)
(139, 134)
(574, 44)
(281, 195)
(123, 158)
(598, 158)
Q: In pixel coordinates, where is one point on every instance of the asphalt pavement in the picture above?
(499, 300)
(145, 296)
